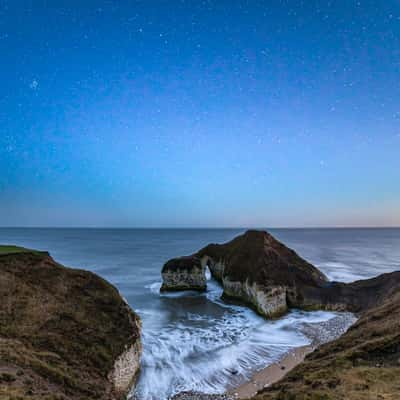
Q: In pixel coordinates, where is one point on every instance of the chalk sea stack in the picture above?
(64, 333)
(254, 267)
(257, 269)
(184, 273)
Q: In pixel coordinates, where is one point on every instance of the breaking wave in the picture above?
(211, 351)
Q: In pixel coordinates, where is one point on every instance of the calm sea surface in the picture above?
(194, 341)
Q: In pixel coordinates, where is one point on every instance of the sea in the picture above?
(196, 341)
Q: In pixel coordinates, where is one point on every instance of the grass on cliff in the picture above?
(363, 364)
(61, 329)
(8, 249)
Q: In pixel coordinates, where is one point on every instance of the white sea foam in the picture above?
(337, 271)
(154, 287)
(207, 354)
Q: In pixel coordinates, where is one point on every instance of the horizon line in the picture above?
(204, 227)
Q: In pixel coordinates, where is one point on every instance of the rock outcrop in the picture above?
(362, 364)
(254, 268)
(261, 271)
(355, 297)
(64, 333)
(257, 269)
(184, 273)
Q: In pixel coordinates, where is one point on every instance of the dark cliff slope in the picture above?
(61, 329)
(286, 279)
(363, 364)
(356, 296)
(258, 257)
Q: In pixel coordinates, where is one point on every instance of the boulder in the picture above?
(64, 333)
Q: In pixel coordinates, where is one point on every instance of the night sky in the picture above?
(200, 113)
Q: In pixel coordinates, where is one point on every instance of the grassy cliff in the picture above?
(61, 329)
(9, 249)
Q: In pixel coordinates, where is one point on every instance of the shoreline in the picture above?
(317, 332)
(259, 380)
(270, 374)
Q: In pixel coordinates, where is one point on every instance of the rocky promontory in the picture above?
(64, 333)
(364, 363)
(253, 267)
(257, 269)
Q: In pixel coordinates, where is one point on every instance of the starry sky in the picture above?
(200, 113)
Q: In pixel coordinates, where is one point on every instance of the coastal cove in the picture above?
(195, 341)
(198, 200)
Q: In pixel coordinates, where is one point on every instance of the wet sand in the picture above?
(271, 374)
(318, 333)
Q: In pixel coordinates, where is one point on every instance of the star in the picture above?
(34, 84)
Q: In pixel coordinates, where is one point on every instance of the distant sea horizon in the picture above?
(205, 227)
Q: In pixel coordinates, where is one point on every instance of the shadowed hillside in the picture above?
(64, 332)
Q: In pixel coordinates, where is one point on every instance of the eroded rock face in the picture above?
(184, 273)
(261, 271)
(253, 267)
(216, 267)
(126, 368)
(268, 301)
(64, 333)
(355, 297)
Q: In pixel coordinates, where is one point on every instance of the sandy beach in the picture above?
(258, 381)
(270, 374)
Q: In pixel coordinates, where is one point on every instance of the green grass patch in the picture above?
(7, 249)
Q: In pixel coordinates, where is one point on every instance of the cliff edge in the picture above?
(64, 333)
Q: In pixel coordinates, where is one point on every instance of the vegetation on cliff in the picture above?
(8, 249)
(61, 330)
(362, 364)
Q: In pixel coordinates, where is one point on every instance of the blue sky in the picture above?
(200, 113)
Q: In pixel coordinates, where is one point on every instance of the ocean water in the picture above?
(196, 341)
